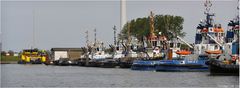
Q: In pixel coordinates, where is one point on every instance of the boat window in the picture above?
(171, 45)
(205, 34)
(97, 49)
(30, 50)
(179, 58)
(178, 44)
(216, 47)
(154, 43)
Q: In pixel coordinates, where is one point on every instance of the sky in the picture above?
(64, 23)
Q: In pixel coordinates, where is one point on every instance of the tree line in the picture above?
(139, 27)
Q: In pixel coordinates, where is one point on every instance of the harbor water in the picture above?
(15, 75)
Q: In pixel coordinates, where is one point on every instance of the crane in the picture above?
(215, 40)
(182, 40)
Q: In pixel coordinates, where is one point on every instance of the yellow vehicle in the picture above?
(33, 56)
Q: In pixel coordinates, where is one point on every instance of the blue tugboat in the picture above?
(152, 54)
(170, 57)
(145, 65)
(183, 64)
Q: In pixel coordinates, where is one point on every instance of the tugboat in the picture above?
(181, 60)
(154, 48)
(109, 61)
(33, 56)
(116, 54)
(129, 56)
(148, 60)
(129, 50)
(183, 63)
(209, 37)
(97, 56)
(228, 62)
(165, 55)
(174, 58)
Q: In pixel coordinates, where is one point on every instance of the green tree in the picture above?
(140, 27)
(3, 53)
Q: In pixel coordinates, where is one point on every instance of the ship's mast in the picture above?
(95, 36)
(238, 11)
(129, 37)
(209, 19)
(115, 38)
(87, 54)
(151, 24)
(87, 40)
(152, 37)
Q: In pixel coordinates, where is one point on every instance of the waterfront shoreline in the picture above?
(8, 62)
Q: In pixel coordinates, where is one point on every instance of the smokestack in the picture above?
(123, 14)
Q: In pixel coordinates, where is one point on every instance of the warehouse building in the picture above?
(71, 53)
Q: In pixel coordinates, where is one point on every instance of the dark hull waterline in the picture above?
(218, 68)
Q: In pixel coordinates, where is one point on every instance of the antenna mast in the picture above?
(87, 41)
(209, 19)
(95, 36)
(115, 41)
(238, 11)
(87, 44)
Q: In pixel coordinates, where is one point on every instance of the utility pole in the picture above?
(33, 27)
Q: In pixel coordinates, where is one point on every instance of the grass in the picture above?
(9, 58)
